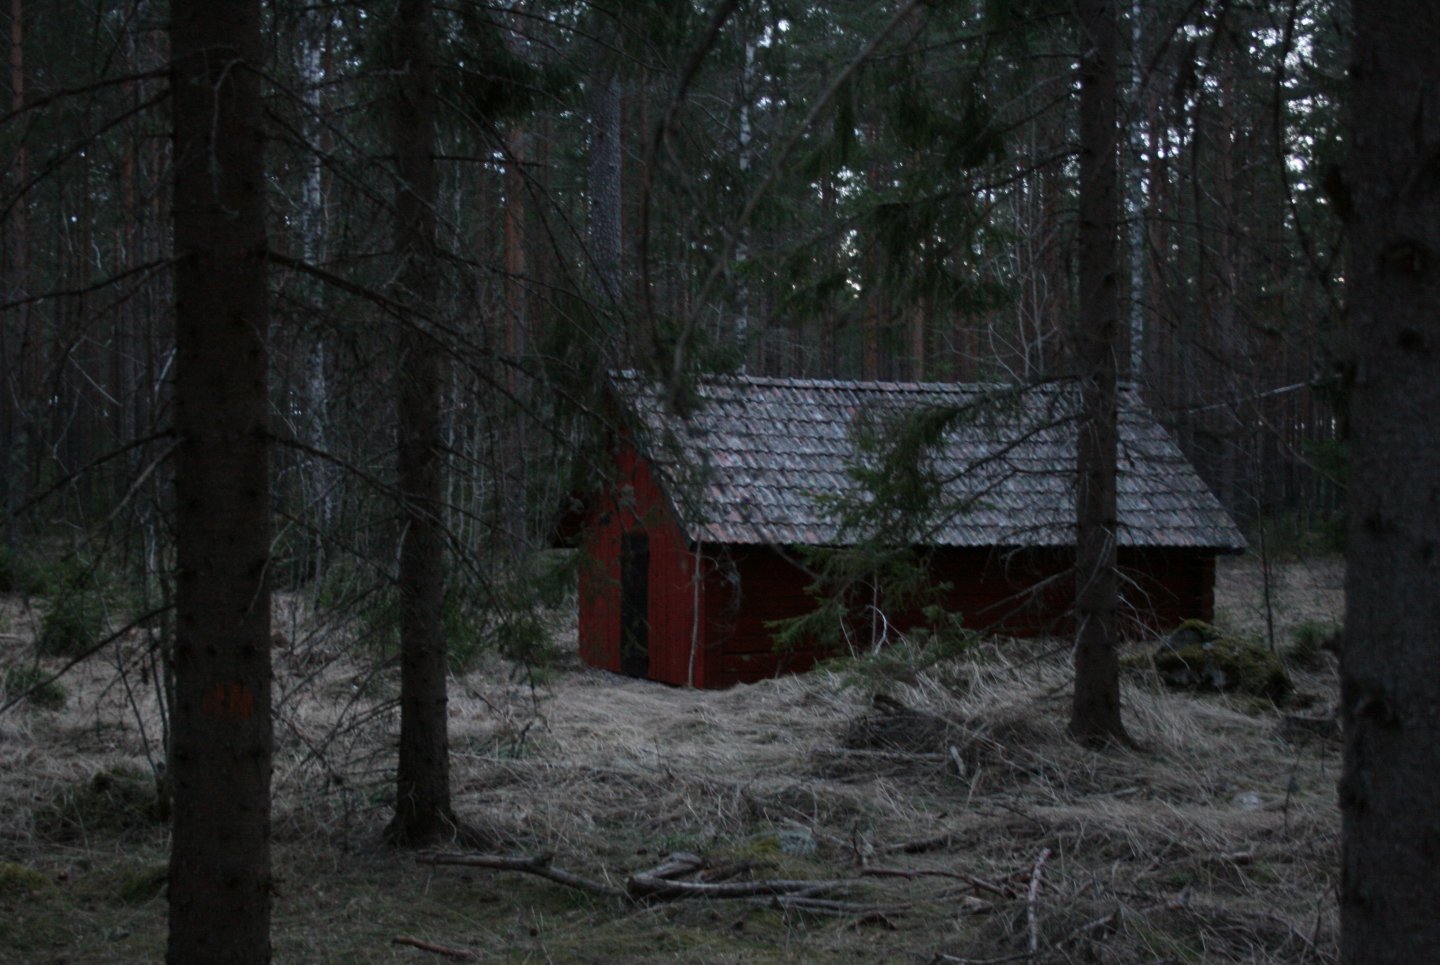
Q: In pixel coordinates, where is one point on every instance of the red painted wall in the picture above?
(635, 503)
(993, 590)
(742, 589)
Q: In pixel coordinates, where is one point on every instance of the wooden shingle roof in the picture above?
(763, 461)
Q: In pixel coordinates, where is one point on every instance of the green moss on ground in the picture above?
(18, 880)
(1198, 657)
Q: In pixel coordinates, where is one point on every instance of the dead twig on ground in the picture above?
(457, 954)
(646, 885)
(995, 889)
(938, 842)
(911, 873)
(1032, 917)
(1104, 921)
(658, 882)
(534, 865)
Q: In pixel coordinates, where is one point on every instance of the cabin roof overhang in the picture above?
(765, 461)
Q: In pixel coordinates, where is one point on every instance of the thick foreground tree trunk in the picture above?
(1390, 671)
(220, 756)
(422, 803)
(1095, 711)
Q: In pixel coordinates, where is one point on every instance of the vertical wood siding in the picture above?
(635, 503)
(745, 588)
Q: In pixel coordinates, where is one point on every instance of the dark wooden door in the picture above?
(635, 604)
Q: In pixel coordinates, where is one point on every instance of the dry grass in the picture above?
(1215, 841)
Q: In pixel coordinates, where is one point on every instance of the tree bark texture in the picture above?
(220, 881)
(605, 167)
(422, 803)
(1095, 711)
(1390, 670)
(15, 341)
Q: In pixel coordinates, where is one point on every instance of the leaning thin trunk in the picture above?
(220, 760)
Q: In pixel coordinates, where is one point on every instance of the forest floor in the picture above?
(1215, 840)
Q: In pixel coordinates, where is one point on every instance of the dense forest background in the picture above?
(854, 191)
(463, 216)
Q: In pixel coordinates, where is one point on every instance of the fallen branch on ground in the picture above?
(993, 887)
(1031, 896)
(677, 864)
(646, 885)
(658, 882)
(1107, 921)
(458, 954)
(877, 872)
(936, 843)
(533, 865)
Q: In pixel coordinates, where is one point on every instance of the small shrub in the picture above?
(464, 630)
(116, 801)
(31, 681)
(1290, 536)
(9, 577)
(528, 640)
(19, 574)
(72, 625)
(1310, 642)
(941, 640)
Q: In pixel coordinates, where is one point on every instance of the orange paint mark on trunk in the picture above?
(232, 701)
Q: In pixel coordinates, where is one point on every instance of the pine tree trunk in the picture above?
(320, 479)
(1390, 671)
(605, 168)
(1095, 712)
(220, 761)
(422, 803)
(18, 406)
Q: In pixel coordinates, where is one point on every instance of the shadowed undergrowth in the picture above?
(931, 796)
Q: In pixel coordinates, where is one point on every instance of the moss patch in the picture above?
(144, 885)
(1198, 657)
(17, 880)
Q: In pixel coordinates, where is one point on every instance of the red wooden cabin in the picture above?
(691, 552)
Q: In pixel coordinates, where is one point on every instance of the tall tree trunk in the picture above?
(515, 427)
(1390, 688)
(1095, 712)
(17, 407)
(745, 151)
(321, 479)
(1135, 202)
(605, 172)
(220, 762)
(422, 794)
